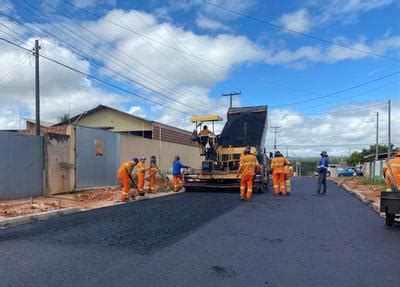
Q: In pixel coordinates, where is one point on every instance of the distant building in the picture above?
(31, 124)
(110, 119)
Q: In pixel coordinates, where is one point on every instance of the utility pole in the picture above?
(377, 137)
(231, 95)
(276, 131)
(287, 151)
(389, 128)
(37, 86)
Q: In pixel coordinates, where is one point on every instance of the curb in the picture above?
(37, 217)
(5, 223)
(372, 205)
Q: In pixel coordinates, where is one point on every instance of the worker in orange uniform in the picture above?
(248, 168)
(124, 175)
(288, 170)
(278, 173)
(391, 172)
(141, 172)
(153, 168)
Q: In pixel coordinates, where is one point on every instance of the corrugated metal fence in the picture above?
(96, 156)
(21, 166)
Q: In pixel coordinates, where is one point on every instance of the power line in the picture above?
(310, 36)
(340, 91)
(97, 79)
(121, 51)
(142, 35)
(112, 71)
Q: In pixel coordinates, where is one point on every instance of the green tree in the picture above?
(355, 158)
(63, 118)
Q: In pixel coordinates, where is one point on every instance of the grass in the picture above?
(370, 181)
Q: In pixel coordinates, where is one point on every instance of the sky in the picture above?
(323, 68)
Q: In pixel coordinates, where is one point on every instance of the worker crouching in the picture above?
(278, 173)
(141, 172)
(248, 168)
(153, 169)
(288, 170)
(391, 173)
(125, 175)
(177, 173)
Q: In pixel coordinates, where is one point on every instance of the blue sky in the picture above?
(191, 52)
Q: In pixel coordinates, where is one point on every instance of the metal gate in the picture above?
(97, 157)
(21, 166)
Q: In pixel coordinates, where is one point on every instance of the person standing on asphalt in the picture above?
(322, 171)
(278, 173)
(124, 175)
(177, 174)
(288, 169)
(247, 169)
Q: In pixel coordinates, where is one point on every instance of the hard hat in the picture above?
(142, 158)
(324, 153)
(135, 159)
(177, 157)
(278, 153)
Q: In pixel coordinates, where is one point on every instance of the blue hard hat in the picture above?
(135, 159)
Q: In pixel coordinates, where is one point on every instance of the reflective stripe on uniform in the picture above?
(249, 163)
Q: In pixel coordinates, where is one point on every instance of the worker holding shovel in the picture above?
(153, 169)
(125, 176)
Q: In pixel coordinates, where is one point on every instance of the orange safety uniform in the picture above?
(177, 181)
(278, 173)
(141, 171)
(248, 168)
(152, 178)
(288, 170)
(392, 173)
(123, 175)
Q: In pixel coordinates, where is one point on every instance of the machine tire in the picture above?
(390, 218)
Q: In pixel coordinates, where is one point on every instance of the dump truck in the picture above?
(245, 126)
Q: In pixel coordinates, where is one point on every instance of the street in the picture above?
(204, 239)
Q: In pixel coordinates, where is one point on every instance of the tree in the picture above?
(355, 158)
(63, 118)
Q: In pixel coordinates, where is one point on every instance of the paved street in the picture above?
(201, 239)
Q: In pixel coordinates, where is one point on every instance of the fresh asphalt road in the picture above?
(209, 239)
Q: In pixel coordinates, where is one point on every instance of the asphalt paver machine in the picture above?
(245, 126)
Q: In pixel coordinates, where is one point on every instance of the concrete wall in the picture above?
(373, 169)
(137, 146)
(59, 164)
(119, 121)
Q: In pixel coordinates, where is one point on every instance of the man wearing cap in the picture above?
(141, 171)
(322, 171)
(124, 175)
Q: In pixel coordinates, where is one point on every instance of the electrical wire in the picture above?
(310, 36)
(121, 51)
(339, 91)
(97, 79)
(112, 71)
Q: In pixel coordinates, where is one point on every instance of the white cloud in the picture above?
(300, 57)
(91, 3)
(299, 21)
(348, 126)
(137, 111)
(207, 23)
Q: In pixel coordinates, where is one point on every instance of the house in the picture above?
(31, 124)
(110, 119)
